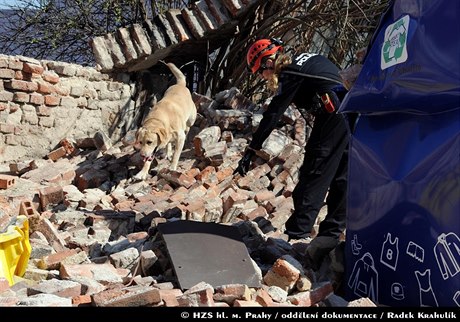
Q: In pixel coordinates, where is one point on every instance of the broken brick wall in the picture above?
(42, 102)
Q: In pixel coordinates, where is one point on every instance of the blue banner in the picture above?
(413, 65)
(403, 224)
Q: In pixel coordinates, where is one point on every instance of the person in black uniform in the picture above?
(309, 81)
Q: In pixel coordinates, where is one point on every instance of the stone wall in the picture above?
(43, 102)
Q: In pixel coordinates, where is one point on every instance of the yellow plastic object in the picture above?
(15, 249)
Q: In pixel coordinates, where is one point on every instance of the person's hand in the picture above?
(244, 163)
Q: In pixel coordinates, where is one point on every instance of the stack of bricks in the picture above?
(129, 46)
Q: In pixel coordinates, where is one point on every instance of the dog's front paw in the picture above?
(173, 166)
(140, 176)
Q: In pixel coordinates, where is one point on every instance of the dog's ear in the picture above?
(162, 135)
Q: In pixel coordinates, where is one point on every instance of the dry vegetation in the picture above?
(61, 30)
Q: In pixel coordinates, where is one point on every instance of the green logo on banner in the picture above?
(394, 50)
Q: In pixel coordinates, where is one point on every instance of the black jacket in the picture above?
(295, 86)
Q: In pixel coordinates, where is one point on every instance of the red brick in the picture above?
(52, 235)
(51, 195)
(203, 297)
(51, 77)
(36, 99)
(27, 208)
(128, 297)
(233, 199)
(6, 73)
(206, 173)
(264, 195)
(197, 191)
(310, 298)
(92, 178)
(68, 289)
(66, 176)
(42, 110)
(224, 174)
(151, 197)
(144, 207)
(258, 212)
(169, 297)
(282, 274)
(193, 172)
(57, 154)
(32, 68)
(6, 96)
(125, 205)
(196, 210)
(81, 300)
(53, 261)
(177, 178)
(45, 88)
(7, 181)
(21, 97)
(231, 292)
(20, 75)
(21, 85)
(263, 298)
(52, 100)
(179, 195)
(68, 146)
(15, 64)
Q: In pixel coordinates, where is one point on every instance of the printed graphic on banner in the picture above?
(427, 297)
(397, 291)
(447, 253)
(394, 50)
(355, 245)
(364, 278)
(390, 252)
(415, 251)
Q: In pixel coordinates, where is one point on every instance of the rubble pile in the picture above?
(93, 229)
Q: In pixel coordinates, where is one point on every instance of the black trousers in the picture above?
(324, 169)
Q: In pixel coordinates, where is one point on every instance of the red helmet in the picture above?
(260, 49)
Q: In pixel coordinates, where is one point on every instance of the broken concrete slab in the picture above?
(208, 252)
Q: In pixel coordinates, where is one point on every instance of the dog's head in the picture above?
(148, 142)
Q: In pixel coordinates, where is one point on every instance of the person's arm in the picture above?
(275, 110)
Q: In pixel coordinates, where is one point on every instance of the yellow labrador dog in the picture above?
(167, 124)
